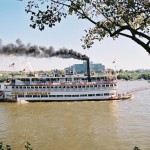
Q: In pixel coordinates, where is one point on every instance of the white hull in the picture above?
(70, 96)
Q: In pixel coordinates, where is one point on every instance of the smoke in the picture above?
(65, 53)
(20, 49)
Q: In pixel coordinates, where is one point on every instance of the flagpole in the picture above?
(115, 68)
(12, 70)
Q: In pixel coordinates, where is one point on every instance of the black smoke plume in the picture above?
(19, 49)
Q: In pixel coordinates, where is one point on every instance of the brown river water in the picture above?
(95, 125)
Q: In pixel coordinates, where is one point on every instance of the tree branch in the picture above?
(145, 46)
(82, 14)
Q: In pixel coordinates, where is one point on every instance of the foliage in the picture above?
(145, 76)
(136, 148)
(28, 146)
(128, 18)
(133, 75)
(8, 147)
(4, 77)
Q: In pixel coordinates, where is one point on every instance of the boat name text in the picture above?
(30, 93)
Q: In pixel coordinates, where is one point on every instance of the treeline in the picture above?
(134, 75)
(4, 77)
(126, 75)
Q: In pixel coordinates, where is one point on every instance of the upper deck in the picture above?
(61, 81)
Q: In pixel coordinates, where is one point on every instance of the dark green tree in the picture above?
(110, 18)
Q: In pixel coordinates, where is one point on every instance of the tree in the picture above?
(110, 18)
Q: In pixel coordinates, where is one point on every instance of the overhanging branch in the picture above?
(144, 45)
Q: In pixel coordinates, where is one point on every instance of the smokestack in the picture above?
(88, 69)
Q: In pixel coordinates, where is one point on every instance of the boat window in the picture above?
(40, 87)
(28, 87)
(47, 79)
(102, 78)
(44, 87)
(75, 95)
(59, 95)
(95, 85)
(20, 95)
(111, 84)
(103, 85)
(83, 86)
(34, 95)
(36, 87)
(79, 86)
(12, 87)
(53, 95)
(32, 87)
(82, 95)
(28, 95)
(67, 95)
(99, 94)
(107, 85)
(24, 87)
(91, 85)
(106, 94)
(91, 94)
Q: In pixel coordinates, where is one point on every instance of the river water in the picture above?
(103, 125)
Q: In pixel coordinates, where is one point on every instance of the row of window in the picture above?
(58, 79)
(82, 95)
(43, 87)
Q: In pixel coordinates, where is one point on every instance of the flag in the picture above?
(113, 62)
(12, 65)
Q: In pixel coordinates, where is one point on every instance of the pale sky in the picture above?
(15, 24)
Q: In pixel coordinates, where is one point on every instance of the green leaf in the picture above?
(70, 11)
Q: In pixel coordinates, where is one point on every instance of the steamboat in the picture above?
(67, 88)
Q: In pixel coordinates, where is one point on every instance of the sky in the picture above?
(14, 25)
